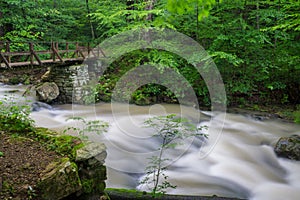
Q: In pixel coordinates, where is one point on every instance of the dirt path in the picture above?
(22, 162)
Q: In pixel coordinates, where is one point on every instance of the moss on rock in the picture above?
(59, 180)
(65, 145)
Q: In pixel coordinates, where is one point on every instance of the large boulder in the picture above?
(288, 147)
(47, 92)
(59, 180)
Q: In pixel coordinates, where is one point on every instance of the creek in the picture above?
(237, 159)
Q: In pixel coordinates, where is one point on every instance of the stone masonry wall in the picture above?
(76, 82)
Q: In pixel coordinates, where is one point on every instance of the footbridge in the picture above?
(16, 54)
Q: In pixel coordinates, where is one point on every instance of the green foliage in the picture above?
(92, 185)
(65, 145)
(15, 117)
(114, 17)
(87, 127)
(171, 130)
(159, 60)
(87, 185)
(296, 115)
(254, 58)
(290, 20)
(8, 188)
(254, 44)
(200, 7)
(46, 20)
(1, 154)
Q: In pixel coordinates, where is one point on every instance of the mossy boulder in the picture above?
(288, 147)
(81, 175)
(59, 180)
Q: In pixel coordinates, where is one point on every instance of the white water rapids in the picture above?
(237, 160)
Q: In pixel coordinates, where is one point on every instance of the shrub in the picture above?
(15, 117)
(297, 115)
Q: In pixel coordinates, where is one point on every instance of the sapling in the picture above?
(171, 130)
(93, 126)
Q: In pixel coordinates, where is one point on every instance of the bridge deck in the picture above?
(35, 63)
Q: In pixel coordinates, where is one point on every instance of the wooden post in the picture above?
(81, 53)
(56, 53)
(2, 57)
(34, 55)
(8, 50)
(89, 49)
(67, 49)
(2, 44)
(5, 61)
(53, 53)
(77, 50)
(31, 52)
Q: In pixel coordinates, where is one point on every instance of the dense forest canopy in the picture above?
(254, 43)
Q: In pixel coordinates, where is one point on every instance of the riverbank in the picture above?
(262, 111)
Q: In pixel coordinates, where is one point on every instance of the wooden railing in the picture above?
(14, 54)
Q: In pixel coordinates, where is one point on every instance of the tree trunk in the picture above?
(150, 6)
(197, 16)
(1, 27)
(257, 15)
(89, 18)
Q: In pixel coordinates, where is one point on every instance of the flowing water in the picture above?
(237, 159)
